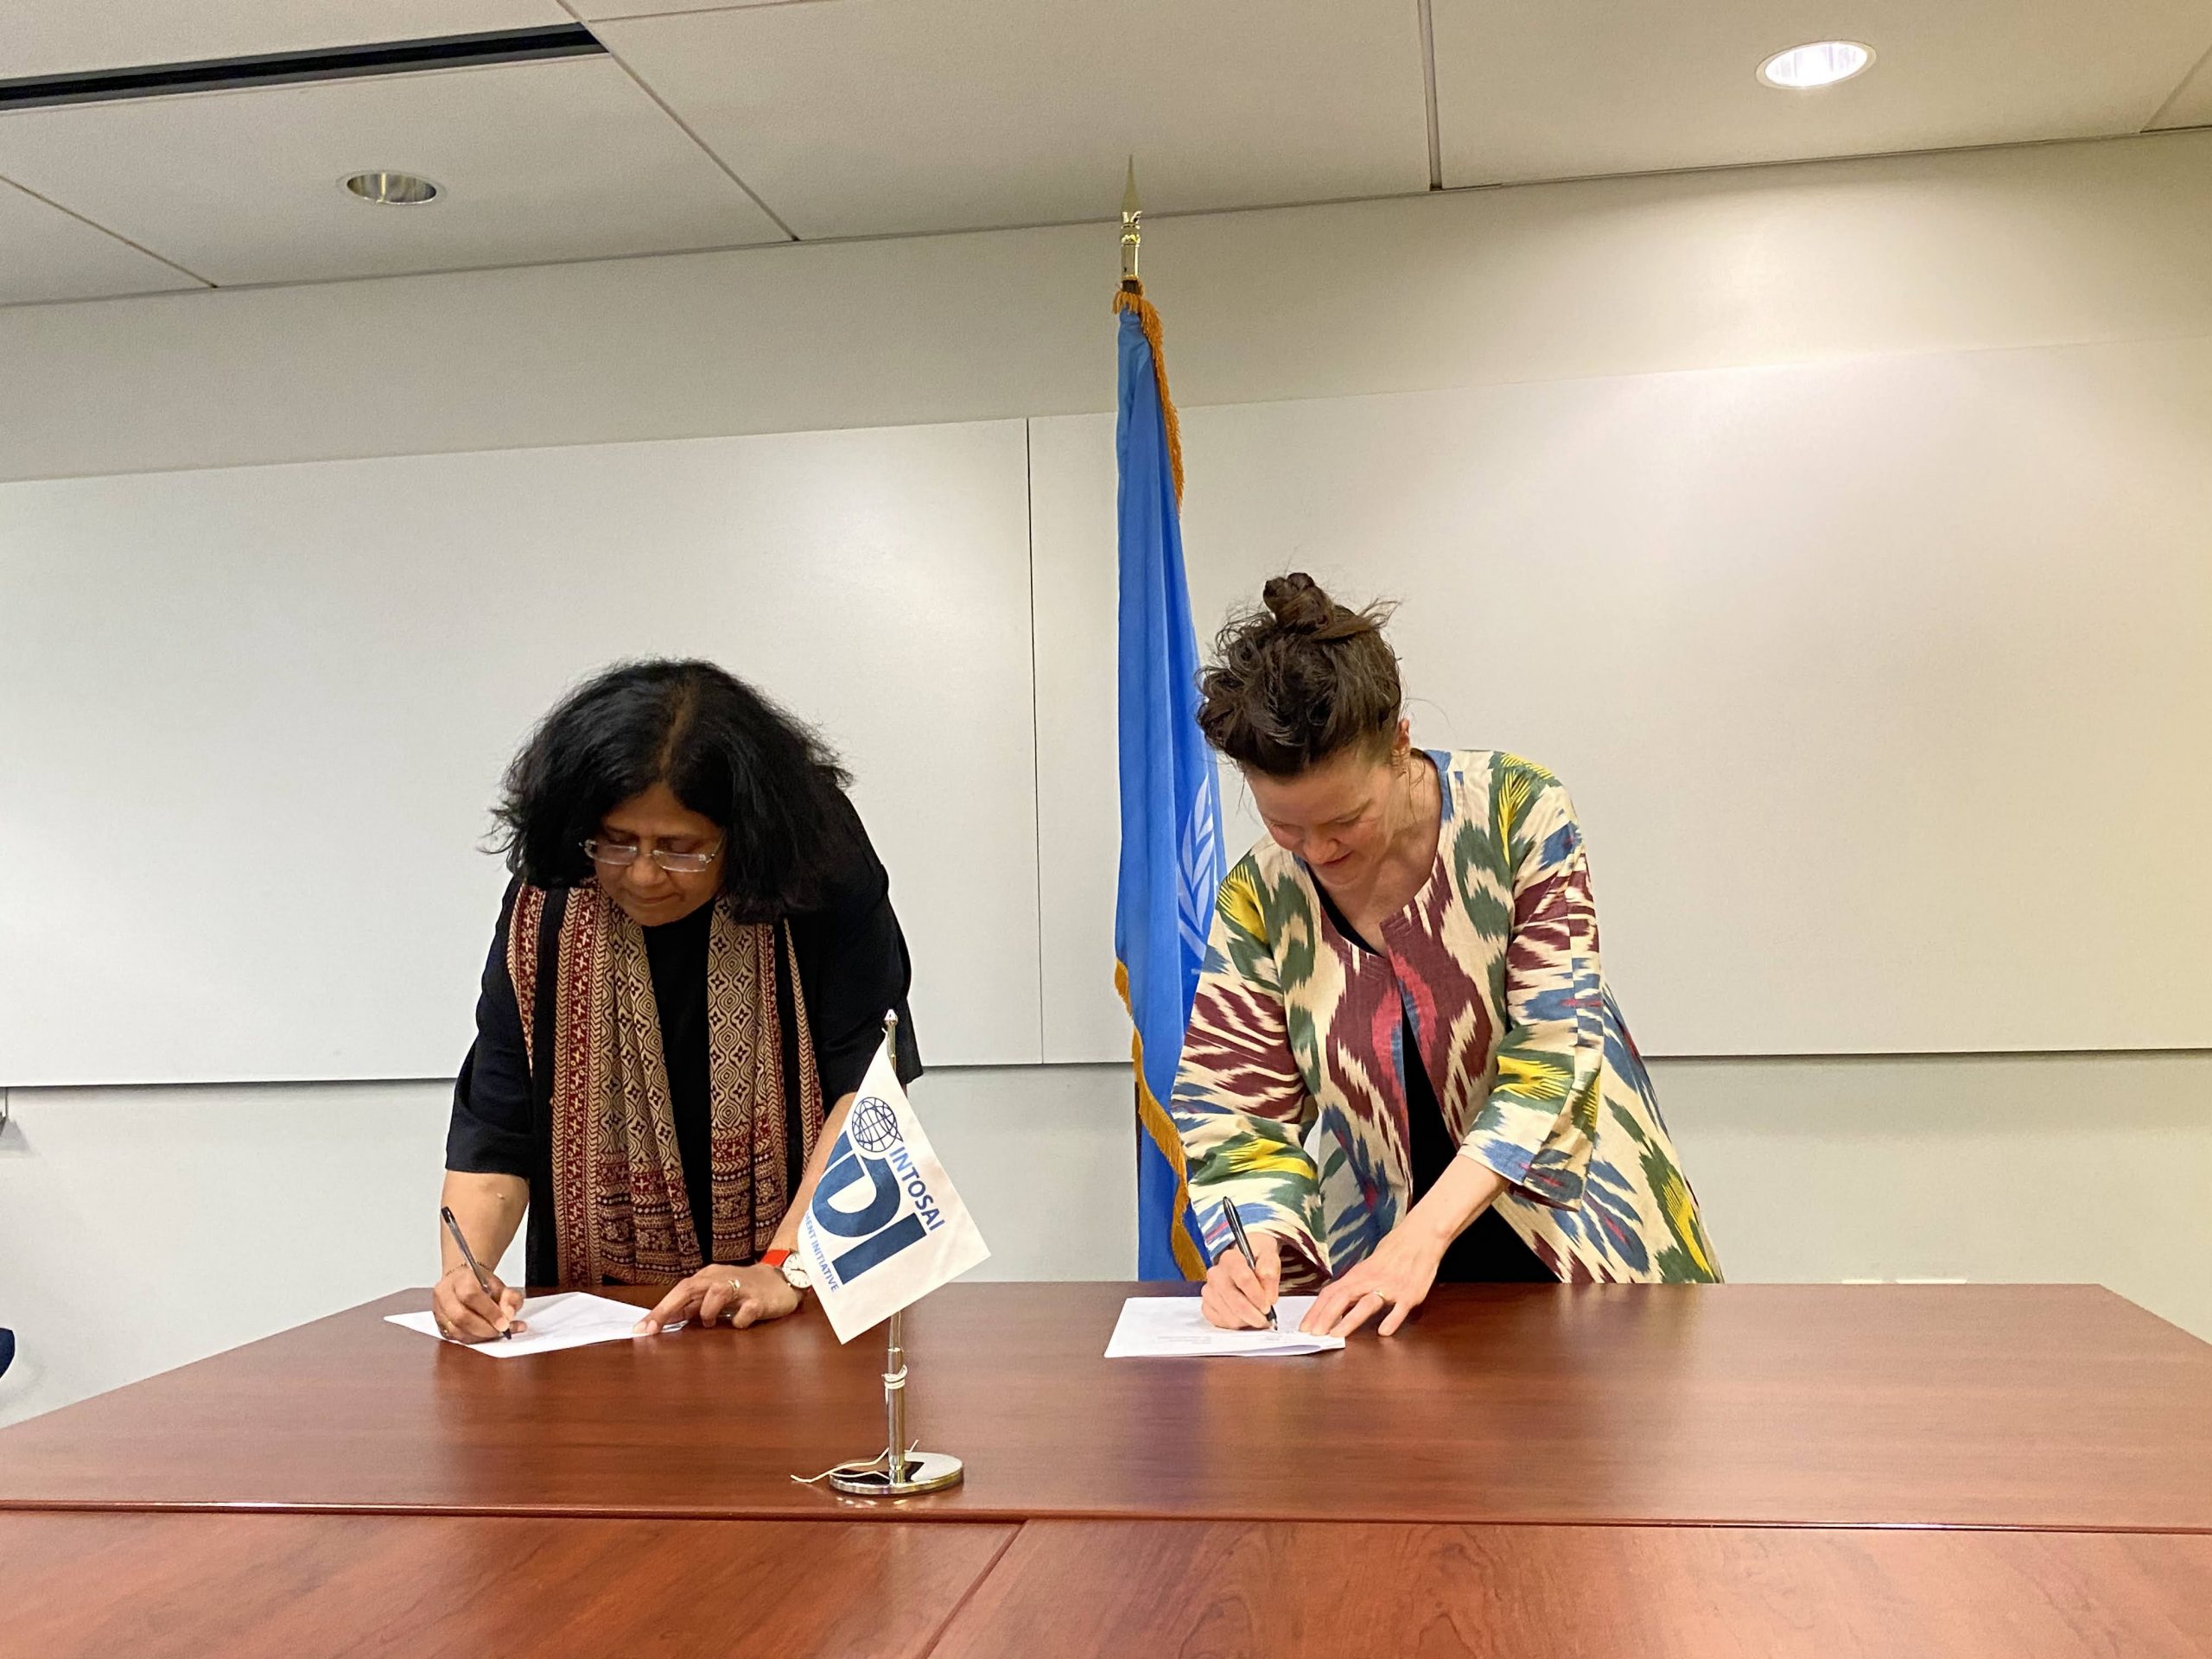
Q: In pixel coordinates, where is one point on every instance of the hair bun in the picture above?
(1300, 679)
(1298, 603)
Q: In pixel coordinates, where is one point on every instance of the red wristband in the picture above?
(775, 1258)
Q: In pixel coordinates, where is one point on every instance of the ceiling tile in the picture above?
(46, 254)
(870, 117)
(1573, 88)
(61, 37)
(2191, 106)
(562, 160)
(593, 10)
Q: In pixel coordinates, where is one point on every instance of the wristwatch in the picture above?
(794, 1274)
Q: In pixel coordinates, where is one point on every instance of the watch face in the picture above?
(794, 1274)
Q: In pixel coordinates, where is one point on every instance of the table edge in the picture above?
(863, 1513)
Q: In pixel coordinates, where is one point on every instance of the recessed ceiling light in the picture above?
(393, 189)
(1822, 63)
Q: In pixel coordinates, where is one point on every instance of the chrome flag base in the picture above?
(899, 1471)
(919, 1472)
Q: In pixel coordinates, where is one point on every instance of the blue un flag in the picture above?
(1170, 803)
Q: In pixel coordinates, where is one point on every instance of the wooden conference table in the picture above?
(1533, 1470)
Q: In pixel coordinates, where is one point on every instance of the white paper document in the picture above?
(1172, 1327)
(571, 1319)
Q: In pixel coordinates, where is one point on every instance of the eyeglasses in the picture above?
(620, 855)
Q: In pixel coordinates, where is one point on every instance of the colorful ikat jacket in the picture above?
(1291, 1096)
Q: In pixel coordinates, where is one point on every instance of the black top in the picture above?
(853, 967)
(1488, 1251)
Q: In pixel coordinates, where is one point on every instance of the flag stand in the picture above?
(898, 1470)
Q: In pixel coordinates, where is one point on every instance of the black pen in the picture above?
(1244, 1249)
(483, 1283)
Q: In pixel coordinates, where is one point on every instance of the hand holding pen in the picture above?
(1240, 1286)
(469, 1304)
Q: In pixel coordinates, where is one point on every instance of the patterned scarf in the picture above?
(622, 1211)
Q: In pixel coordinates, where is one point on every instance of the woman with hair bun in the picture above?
(686, 986)
(1408, 965)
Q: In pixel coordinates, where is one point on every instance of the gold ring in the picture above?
(729, 1308)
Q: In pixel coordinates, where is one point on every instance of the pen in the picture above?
(484, 1284)
(1243, 1248)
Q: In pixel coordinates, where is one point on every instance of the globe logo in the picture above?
(875, 1125)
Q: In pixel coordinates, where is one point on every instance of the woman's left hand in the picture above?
(1397, 1275)
(745, 1295)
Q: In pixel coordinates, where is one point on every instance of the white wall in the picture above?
(131, 1221)
(1812, 645)
(351, 650)
(2029, 1169)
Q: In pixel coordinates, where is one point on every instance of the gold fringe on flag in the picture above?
(1130, 297)
(1152, 1120)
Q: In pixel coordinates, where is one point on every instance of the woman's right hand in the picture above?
(1237, 1298)
(466, 1314)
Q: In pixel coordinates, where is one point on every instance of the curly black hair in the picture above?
(724, 751)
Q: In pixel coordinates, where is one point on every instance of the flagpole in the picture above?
(898, 1472)
(894, 1401)
(1171, 824)
(1132, 231)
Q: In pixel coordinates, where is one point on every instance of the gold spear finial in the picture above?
(1132, 227)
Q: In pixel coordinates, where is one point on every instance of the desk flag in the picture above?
(1171, 802)
(884, 1228)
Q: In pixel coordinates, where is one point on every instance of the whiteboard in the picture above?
(1884, 687)
(251, 722)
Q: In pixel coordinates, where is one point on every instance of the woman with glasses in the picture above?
(688, 979)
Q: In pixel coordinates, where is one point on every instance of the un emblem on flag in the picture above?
(875, 1125)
